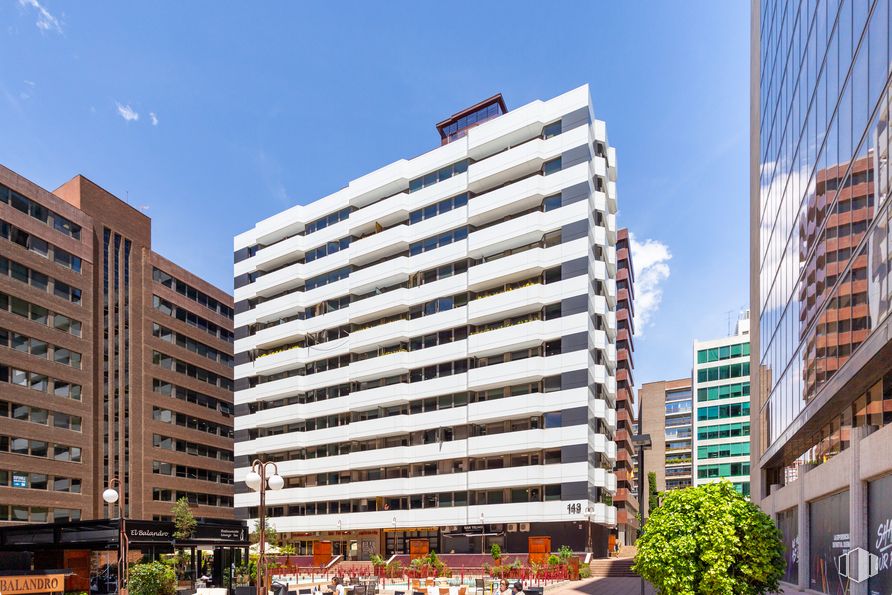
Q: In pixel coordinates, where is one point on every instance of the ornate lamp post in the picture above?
(110, 496)
(261, 477)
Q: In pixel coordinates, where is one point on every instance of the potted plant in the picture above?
(496, 552)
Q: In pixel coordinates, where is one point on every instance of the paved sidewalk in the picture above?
(602, 586)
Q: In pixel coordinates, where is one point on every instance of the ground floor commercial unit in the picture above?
(836, 506)
(512, 538)
(87, 553)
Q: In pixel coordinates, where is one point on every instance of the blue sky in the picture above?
(210, 116)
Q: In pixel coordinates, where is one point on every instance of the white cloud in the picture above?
(127, 112)
(153, 118)
(650, 260)
(45, 20)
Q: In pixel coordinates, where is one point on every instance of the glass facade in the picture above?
(678, 438)
(824, 246)
(722, 390)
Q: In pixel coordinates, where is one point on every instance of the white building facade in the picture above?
(429, 353)
(722, 412)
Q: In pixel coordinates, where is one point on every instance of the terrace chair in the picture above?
(399, 593)
(359, 589)
(416, 584)
(479, 584)
(419, 592)
(444, 590)
(429, 582)
(463, 590)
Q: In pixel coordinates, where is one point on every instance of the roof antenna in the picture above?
(729, 313)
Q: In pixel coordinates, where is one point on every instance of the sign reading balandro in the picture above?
(34, 583)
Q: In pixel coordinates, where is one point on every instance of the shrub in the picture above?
(554, 560)
(653, 496)
(710, 540)
(153, 578)
(495, 551)
(565, 553)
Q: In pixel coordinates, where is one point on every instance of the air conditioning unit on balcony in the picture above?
(524, 527)
(512, 527)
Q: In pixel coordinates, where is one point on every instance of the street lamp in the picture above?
(260, 479)
(589, 512)
(482, 535)
(110, 496)
(643, 442)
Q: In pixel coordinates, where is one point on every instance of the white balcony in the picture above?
(523, 159)
(526, 370)
(523, 230)
(523, 194)
(524, 264)
(528, 405)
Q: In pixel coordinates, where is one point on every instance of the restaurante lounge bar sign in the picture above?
(32, 583)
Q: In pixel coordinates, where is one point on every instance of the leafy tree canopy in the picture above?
(710, 540)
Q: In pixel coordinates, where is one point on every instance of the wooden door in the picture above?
(418, 548)
(539, 549)
(321, 553)
(78, 561)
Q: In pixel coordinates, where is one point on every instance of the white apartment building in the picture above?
(429, 352)
(722, 412)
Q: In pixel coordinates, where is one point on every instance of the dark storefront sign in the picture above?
(788, 523)
(829, 532)
(234, 534)
(149, 532)
(879, 526)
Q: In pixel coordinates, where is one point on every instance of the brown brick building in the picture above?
(114, 362)
(625, 501)
(666, 409)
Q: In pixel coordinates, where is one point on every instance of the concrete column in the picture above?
(804, 536)
(857, 505)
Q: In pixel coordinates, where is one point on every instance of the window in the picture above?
(723, 411)
(192, 293)
(551, 166)
(434, 242)
(551, 130)
(329, 219)
(438, 176)
(325, 279)
(439, 208)
(39, 212)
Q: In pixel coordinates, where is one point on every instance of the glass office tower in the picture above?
(820, 261)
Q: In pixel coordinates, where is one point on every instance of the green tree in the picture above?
(271, 535)
(183, 520)
(495, 551)
(653, 496)
(153, 578)
(710, 540)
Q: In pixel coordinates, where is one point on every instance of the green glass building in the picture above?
(721, 390)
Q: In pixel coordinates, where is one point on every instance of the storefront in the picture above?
(352, 545)
(89, 550)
